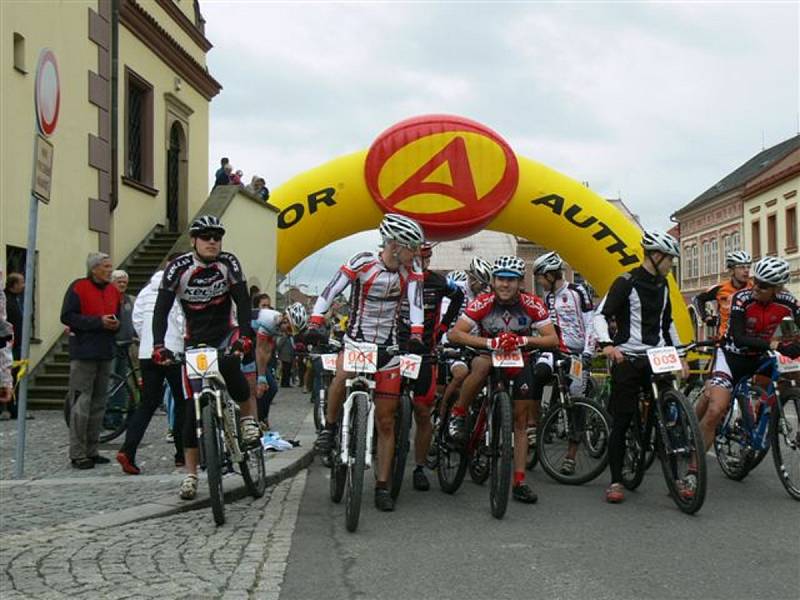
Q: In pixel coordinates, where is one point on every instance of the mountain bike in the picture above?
(760, 418)
(664, 412)
(218, 432)
(489, 435)
(574, 431)
(327, 355)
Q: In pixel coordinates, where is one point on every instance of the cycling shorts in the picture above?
(730, 368)
(425, 384)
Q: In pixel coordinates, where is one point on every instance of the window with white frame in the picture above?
(714, 257)
(736, 243)
(706, 258)
(726, 244)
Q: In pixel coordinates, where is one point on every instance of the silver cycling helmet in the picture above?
(547, 263)
(738, 258)
(661, 242)
(508, 266)
(772, 270)
(298, 317)
(401, 229)
(206, 224)
(481, 270)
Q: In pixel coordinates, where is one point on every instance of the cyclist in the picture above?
(738, 263)
(268, 325)
(506, 319)
(475, 282)
(639, 302)
(378, 283)
(754, 316)
(571, 308)
(208, 283)
(435, 289)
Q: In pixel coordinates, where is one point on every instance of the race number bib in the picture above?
(664, 360)
(786, 364)
(503, 358)
(576, 368)
(410, 365)
(201, 362)
(360, 357)
(329, 362)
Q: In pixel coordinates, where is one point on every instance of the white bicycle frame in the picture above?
(369, 383)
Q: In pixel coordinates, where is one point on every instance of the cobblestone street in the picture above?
(61, 528)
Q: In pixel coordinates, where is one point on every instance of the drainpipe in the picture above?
(114, 105)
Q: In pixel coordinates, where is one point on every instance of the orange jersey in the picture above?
(722, 294)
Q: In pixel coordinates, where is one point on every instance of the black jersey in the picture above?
(435, 288)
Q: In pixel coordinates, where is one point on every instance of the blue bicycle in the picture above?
(760, 418)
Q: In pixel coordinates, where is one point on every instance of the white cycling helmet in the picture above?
(206, 224)
(401, 229)
(738, 258)
(508, 266)
(772, 270)
(298, 317)
(457, 277)
(547, 263)
(481, 270)
(661, 242)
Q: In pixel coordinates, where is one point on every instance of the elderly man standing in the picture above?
(91, 310)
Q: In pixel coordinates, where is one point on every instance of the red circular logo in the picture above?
(450, 174)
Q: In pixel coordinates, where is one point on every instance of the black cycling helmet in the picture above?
(206, 224)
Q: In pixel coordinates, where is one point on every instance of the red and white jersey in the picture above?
(526, 314)
(375, 297)
(571, 309)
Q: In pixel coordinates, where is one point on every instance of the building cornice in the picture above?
(186, 24)
(771, 181)
(142, 24)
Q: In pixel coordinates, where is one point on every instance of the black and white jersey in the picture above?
(207, 292)
(639, 303)
(571, 310)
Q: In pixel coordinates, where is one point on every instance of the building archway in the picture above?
(177, 178)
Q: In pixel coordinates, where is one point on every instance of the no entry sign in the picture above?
(47, 92)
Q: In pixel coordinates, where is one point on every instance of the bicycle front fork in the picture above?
(347, 408)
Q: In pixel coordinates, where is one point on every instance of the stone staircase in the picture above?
(50, 379)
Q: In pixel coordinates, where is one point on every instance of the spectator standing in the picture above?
(153, 375)
(220, 174)
(15, 292)
(285, 348)
(6, 340)
(236, 178)
(91, 310)
(262, 192)
(122, 347)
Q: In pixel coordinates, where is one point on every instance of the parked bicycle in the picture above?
(218, 431)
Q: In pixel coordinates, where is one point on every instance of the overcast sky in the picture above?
(653, 103)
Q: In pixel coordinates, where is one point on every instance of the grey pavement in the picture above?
(743, 544)
(54, 494)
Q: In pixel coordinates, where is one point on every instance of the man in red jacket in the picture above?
(91, 311)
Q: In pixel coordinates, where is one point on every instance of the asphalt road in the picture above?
(744, 543)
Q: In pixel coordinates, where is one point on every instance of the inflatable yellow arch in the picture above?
(456, 177)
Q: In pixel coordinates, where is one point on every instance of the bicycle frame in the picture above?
(355, 387)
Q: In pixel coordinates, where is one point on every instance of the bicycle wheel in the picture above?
(650, 449)
(572, 427)
(338, 470)
(212, 447)
(682, 454)
(501, 454)
(731, 440)
(253, 466)
(119, 385)
(785, 440)
(633, 463)
(402, 429)
(478, 459)
(354, 484)
(452, 457)
(320, 407)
